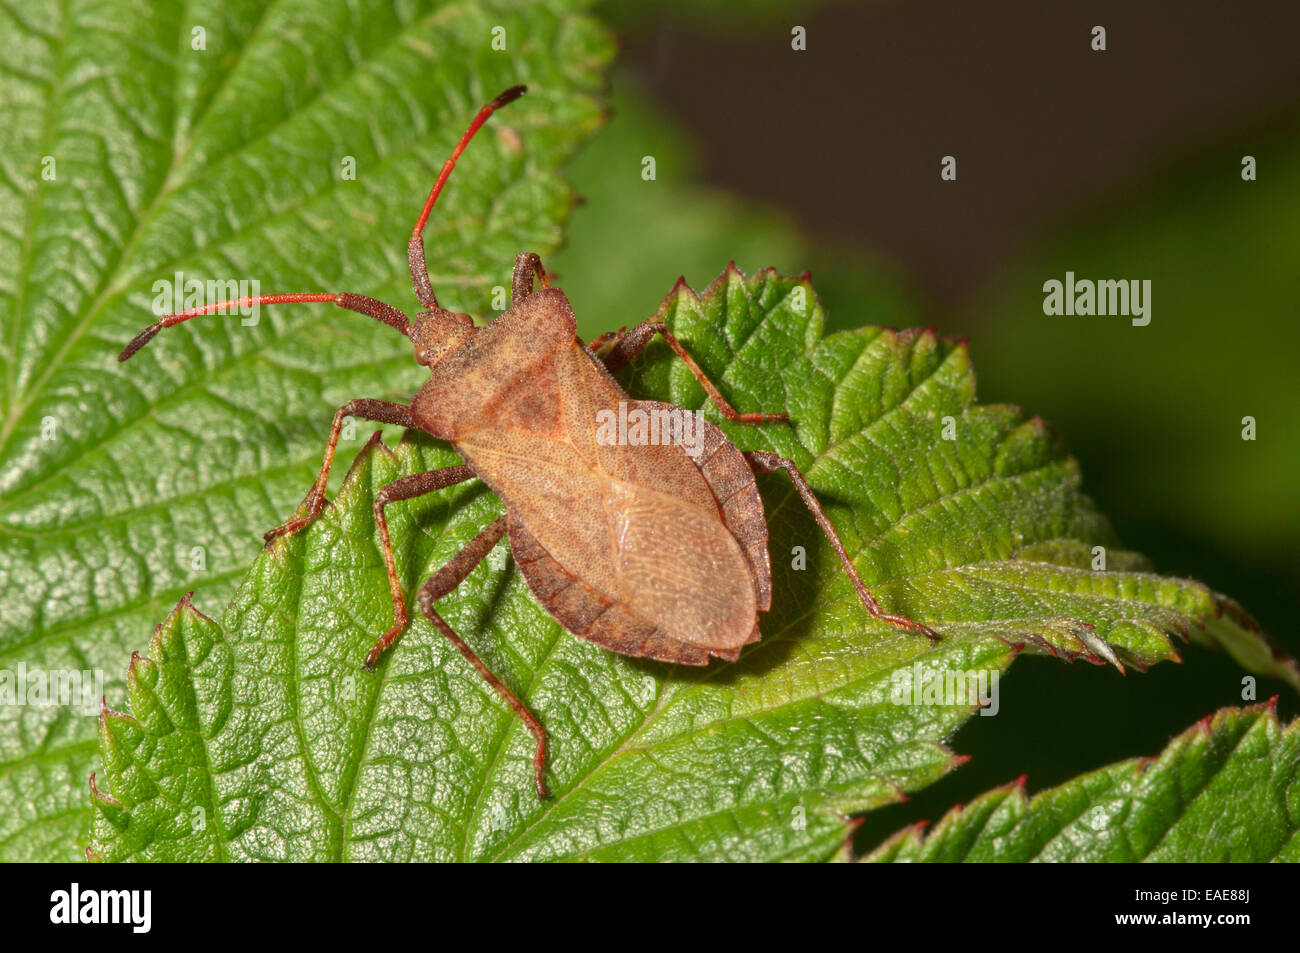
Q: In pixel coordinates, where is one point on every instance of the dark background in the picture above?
(1042, 126)
(1124, 163)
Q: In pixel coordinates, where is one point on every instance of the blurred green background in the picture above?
(1117, 164)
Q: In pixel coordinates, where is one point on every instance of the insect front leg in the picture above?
(406, 488)
(440, 584)
(596, 344)
(763, 462)
(630, 344)
(381, 411)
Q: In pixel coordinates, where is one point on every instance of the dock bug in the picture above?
(647, 550)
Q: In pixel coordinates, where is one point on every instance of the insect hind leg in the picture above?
(444, 581)
(763, 462)
(404, 488)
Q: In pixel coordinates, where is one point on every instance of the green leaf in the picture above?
(268, 725)
(1224, 790)
(121, 487)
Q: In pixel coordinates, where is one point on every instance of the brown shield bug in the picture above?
(655, 550)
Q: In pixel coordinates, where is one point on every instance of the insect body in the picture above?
(647, 550)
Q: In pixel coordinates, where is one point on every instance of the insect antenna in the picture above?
(415, 248)
(353, 302)
(350, 302)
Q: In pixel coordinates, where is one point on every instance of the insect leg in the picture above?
(405, 488)
(769, 462)
(633, 342)
(378, 410)
(444, 581)
(595, 344)
(527, 266)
